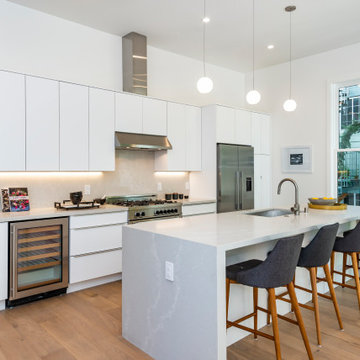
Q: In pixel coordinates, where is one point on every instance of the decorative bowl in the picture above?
(76, 197)
(323, 201)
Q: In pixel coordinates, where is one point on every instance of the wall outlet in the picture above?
(169, 271)
(187, 185)
(159, 186)
(87, 189)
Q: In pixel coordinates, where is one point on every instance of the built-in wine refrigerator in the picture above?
(39, 259)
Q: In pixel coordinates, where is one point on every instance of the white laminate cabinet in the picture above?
(198, 209)
(12, 121)
(42, 124)
(129, 113)
(193, 138)
(101, 130)
(3, 261)
(225, 125)
(261, 133)
(154, 117)
(74, 127)
(262, 179)
(243, 128)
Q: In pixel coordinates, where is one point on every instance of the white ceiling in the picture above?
(175, 25)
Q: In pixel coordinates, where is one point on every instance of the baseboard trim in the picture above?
(93, 282)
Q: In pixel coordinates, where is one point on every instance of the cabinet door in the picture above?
(128, 113)
(3, 261)
(74, 127)
(176, 130)
(243, 129)
(261, 133)
(154, 117)
(42, 124)
(262, 178)
(193, 138)
(225, 125)
(101, 130)
(12, 122)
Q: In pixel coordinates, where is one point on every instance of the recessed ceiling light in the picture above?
(206, 19)
(270, 47)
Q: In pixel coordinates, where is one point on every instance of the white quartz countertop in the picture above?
(41, 213)
(195, 201)
(238, 229)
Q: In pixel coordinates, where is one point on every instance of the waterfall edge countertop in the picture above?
(240, 229)
(195, 201)
(41, 213)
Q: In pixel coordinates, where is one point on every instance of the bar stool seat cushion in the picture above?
(350, 242)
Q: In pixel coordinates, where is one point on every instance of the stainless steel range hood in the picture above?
(128, 141)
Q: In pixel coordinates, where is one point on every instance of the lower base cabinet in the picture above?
(92, 266)
(198, 209)
(95, 246)
(3, 261)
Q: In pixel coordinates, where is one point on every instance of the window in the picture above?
(348, 152)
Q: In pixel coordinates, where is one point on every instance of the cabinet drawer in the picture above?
(198, 209)
(88, 240)
(84, 221)
(93, 266)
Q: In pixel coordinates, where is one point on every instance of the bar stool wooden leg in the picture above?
(344, 269)
(268, 315)
(272, 302)
(316, 303)
(333, 295)
(332, 264)
(227, 297)
(255, 298)
(356, 274)
(295, 303)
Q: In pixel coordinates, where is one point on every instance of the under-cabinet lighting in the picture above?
(171, 173)
(50, 174)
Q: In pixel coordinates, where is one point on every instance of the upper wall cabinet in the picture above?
(184, 134)
(261, 133)
(233, 126)
(42, 124)
(154, 117)
(101, 130)
(129, 113)
(74, 127)
(12, 121)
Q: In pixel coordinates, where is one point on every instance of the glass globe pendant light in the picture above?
(204, 84)
(253, 97)
(290, 104)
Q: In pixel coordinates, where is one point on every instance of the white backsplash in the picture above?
(134, 175)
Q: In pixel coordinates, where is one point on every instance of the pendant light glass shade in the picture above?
(204, 85)
(253, 97)
(290, 105)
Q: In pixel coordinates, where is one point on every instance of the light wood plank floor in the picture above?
(87, 325)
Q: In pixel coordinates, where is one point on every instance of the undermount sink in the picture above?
(271, 213)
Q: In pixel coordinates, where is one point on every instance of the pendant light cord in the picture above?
(290, 51)
(253, 41)
(204, 37)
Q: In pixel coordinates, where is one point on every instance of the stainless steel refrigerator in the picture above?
(235, 177)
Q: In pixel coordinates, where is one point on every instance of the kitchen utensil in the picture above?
(167, 196)
(76, 197)
(322, 201)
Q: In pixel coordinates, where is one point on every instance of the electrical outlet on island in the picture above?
(87, 189)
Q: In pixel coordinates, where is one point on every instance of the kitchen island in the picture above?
(184, 317)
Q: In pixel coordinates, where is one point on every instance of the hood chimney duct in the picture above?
(134, 57)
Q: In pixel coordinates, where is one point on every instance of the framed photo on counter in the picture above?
(297, 159)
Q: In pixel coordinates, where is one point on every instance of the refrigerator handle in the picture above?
(240, 181)
(237, 190)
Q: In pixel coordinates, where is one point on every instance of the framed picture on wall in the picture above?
(297, 159)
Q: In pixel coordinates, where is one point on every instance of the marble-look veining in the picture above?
(186, 319)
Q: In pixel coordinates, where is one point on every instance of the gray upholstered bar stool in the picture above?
(348, 245)
(276, 270)
(317, 254)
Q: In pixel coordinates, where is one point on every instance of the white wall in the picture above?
(308, 125)
(36, 43)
